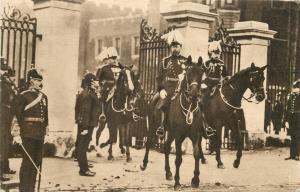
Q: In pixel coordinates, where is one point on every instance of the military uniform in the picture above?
(293, 118)
(167, 78)
(214, 69)
(6, 117)
(87, 114)
(32, 115)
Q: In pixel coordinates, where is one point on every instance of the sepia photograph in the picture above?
(150, 95)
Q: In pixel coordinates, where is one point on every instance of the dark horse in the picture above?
(183, 121)
(121, 110)
(223, 108)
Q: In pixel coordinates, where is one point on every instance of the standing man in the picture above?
(87, 115)
(32, 115)
(169, 76)
(7, 97)
(293, 119)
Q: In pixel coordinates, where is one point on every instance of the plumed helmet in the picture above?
(34, 74)
(173, 37)
(214, 46)
(103, 55)
(112, 53)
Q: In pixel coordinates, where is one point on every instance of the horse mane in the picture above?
(242, 73)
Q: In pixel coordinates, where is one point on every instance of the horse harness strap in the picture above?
(225, 100)
(188, 113)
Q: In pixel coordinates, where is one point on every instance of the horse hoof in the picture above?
(129, 159)
(195, 183)
(110, 158)
(204, 161)
(177, 187)
(143, 167)
(221, 166)
(169, 176)
(236, 164)
(99, 155)
(102, 145)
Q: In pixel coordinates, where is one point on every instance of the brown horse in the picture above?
(183, 121)
(223, 108)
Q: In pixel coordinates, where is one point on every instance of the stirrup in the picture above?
(160, 131)
(210, 131)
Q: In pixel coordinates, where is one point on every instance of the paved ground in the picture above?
(259, 171)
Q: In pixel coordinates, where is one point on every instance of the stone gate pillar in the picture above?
(57, 56)
(254, 38)
(192, 20)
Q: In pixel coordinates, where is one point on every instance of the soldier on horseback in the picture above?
(169, 77)
(214, 72)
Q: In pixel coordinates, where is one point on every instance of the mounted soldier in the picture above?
(170, 75)
(8, 94)
(293, 119)
(32, 116)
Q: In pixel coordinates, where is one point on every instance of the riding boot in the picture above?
(161, 129)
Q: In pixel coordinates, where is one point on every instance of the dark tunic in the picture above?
(32, 116)
(214, 69)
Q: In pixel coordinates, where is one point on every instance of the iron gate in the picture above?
(18, 40)
(153, 49)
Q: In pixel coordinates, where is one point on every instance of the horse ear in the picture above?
(252, 65)
(200, 61)
(121, 66)
(189, 60)
(263, 68)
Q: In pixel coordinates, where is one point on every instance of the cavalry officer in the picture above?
(170, 73)
(107, 76)
(32, 116)
(293, 118)
(8, 94)
(87, 111)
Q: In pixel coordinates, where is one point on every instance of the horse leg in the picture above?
(110, 156)
(99, 131)
(126, 139)
(121, 144)
(178, 161)
(239, 139)
(203, 159)
(168, 143)
(218, 143)
(196, 152)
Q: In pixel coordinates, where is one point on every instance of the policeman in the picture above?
(293, 119)
(169, 76)
(87, 114)
(107, 76)
(8, 94)
(32, 116)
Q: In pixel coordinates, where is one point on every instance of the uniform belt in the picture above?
(172, 79)
(33, 119)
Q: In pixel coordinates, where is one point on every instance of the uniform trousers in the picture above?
(84, 141)
(28, 172)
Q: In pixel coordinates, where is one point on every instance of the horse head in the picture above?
(125, 80)
(193, 78)
(256, 81)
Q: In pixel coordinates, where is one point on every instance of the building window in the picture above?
(117, 45)
(99, 45)
(228, 2)
(135, 45)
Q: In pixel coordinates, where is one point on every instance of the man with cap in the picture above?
(32, 116)
(293, 119)
(8, 94)
(107, 76)
(170, 74)
(87, 115)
